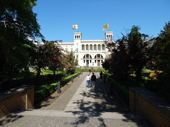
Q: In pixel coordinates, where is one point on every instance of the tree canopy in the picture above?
(129, 54)
(17, 20)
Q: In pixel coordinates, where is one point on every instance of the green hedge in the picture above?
(87, 69)
(47, 89)
(121, 90)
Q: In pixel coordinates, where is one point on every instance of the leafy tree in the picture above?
(128, 54)
(119, 61)
(40, 60)
(53, 55)
(137, 50)
(70, 62)
(160, 55)
(16, 20)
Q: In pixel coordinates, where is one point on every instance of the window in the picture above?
(98, 47)
(103, 47)
(84, 61)
(90, 47)
(94, 47)
(87, 47)
(77, 56)
(71, 49)
(77, 43)
(77, 49)
(82, 47)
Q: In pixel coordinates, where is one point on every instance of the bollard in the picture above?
(78, 74)
(72, 78)
(58, 87)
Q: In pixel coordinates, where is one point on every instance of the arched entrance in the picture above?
(87, 58)
(98, 59)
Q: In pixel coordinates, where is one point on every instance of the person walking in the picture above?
(89, 71)
(93, 80)
(92, 71)
(101, 76)
(87, 81)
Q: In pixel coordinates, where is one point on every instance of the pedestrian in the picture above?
(87, 81)
(89, 71)
(92, 71)
(101, 76)
(93, 80)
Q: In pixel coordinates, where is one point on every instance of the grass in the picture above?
(87, 69)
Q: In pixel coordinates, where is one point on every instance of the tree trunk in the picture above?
(38, 74)
(54, 73)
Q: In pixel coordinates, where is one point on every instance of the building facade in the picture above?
(88, 52)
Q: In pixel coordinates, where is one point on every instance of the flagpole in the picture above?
(78, 27)
(108, 26)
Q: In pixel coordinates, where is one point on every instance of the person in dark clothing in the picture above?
(93, 80)
(89, 71)
(101, 76)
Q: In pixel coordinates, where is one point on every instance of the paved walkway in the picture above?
(78, 106)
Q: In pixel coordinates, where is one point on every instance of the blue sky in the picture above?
(56, 17)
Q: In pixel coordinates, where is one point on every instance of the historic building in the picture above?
(88, 52)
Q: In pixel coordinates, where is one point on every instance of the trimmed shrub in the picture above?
(121, 90)
(44, 91)
(154, 74)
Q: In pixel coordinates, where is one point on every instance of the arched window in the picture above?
(103, 47)
(83, 47)
(99, 47)
(87, 47)
(95, 47)
(91, 47)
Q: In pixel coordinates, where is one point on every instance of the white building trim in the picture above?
(88, 52)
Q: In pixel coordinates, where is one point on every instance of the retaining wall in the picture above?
(155, 109)
(19, 98)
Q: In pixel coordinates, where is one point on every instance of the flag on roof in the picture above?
(105, 27)
(75, 27)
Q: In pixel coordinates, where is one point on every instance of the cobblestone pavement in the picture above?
(95, 110)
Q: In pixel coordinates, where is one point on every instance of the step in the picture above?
(59, 113)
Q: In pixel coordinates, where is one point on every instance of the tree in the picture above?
(160, 55)
(53, 55)
(16, 21)
(119, 62)
(128, 54)
(70, 62)
(137, 50)
(40, 60)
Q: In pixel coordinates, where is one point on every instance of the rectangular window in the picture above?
(77, 56)
(77, 49)
(71, 49)
(84, 61)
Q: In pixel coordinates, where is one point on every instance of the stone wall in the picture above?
(155, 109)
(19, 98)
